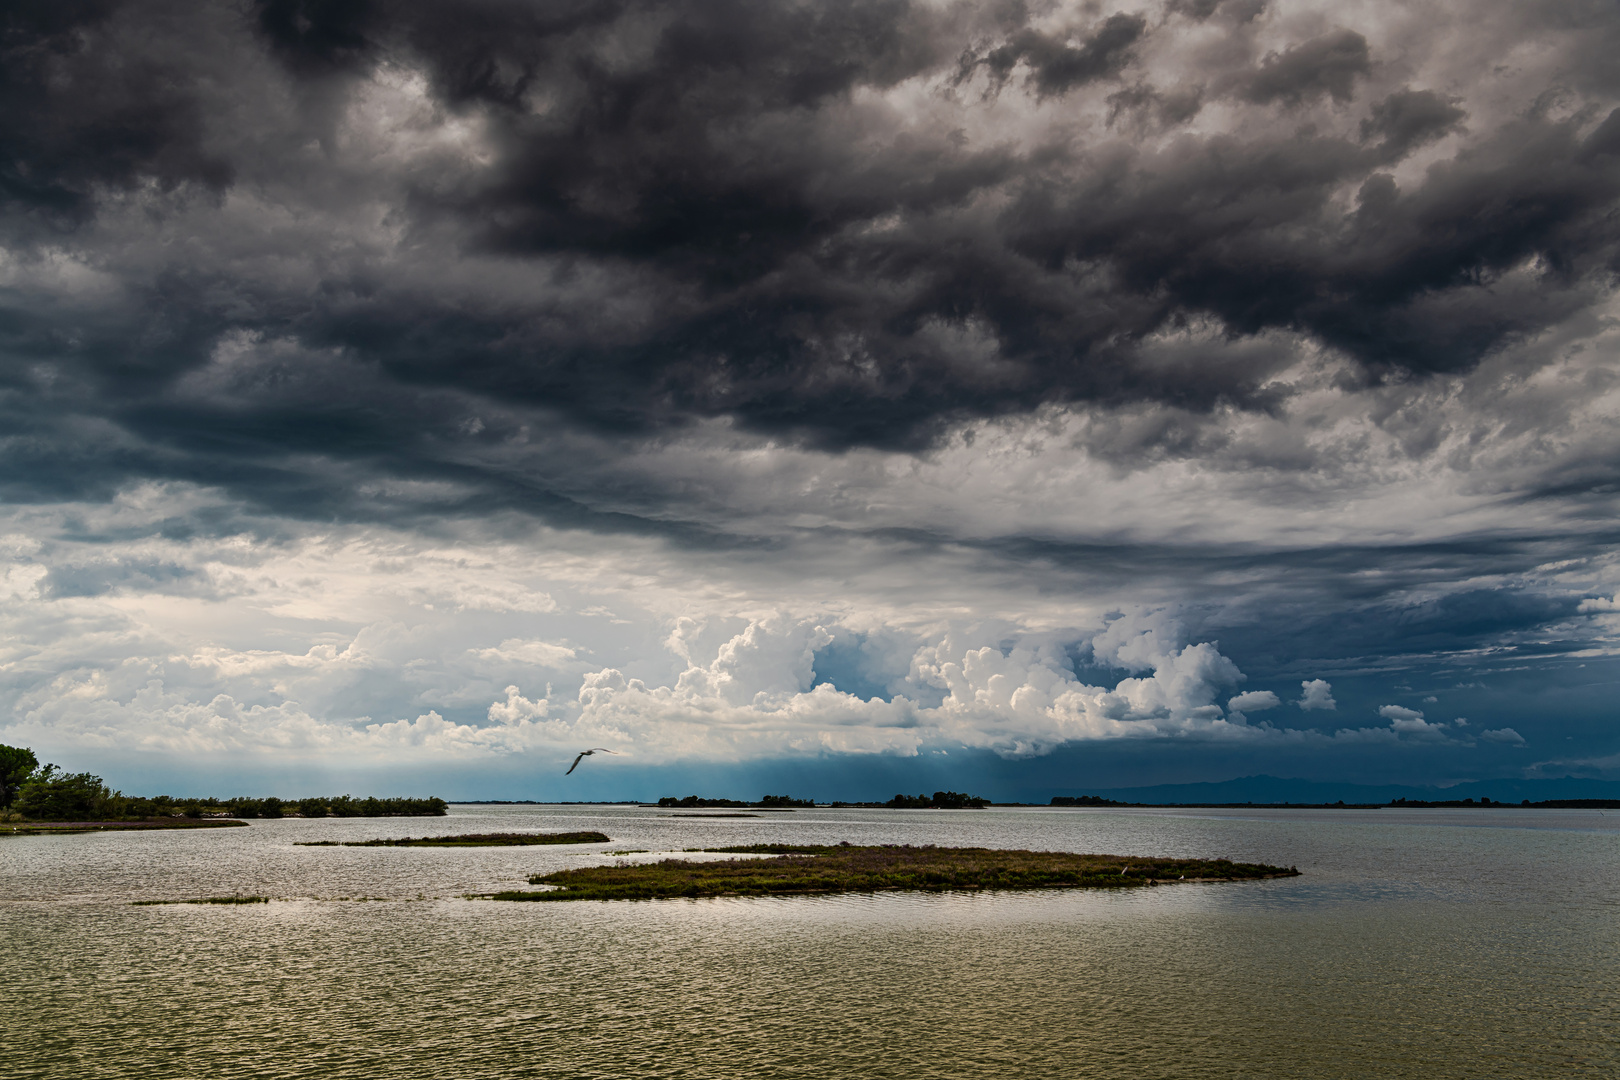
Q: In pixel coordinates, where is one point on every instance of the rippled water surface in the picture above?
(1417, 944)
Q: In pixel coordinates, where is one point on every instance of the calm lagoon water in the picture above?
(1436, 943)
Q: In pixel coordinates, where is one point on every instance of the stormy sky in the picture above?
(843, 397)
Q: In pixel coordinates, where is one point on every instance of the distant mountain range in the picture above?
(1275, 789)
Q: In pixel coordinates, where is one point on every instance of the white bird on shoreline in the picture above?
(587, 753)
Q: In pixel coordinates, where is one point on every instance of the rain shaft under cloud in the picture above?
(790, 379)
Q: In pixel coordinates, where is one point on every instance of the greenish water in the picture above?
(1420, 944)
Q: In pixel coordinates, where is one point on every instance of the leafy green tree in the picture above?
(52, 795)
(17, 764)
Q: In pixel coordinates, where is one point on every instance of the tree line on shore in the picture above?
(34, 792)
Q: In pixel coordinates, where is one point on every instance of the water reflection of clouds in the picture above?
(1348, 857)
(1394, 918)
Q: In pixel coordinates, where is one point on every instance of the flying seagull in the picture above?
(587, 753)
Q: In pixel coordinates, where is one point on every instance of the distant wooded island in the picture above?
(1393, 804)
(939, 800)
(766, 802)
(31, 792)
(955, 800)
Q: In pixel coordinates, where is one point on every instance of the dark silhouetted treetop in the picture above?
(939, 800)
(17, 764)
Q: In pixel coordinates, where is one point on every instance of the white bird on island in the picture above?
(587, 753)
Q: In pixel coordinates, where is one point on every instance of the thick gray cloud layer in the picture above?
(847, 222)
(877, 318)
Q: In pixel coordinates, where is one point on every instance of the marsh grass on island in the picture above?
(794, 869)
(225, 900)
(472, 840)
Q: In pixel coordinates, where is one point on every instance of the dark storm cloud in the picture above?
(1290, 323)
(1409, 119)
(316, 36)
(1328, 65)
(1056, 66)
(1486, 628)
(798, 256)
(82, 113)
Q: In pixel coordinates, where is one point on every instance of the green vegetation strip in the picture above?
(206, 900)
(472, 840)
(804, 869)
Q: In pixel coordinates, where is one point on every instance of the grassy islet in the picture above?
(205, 900)
(793, 869)
(472, 840)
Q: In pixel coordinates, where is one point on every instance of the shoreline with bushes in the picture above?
(31, 792)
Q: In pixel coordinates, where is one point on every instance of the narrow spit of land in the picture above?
(814, 869)
(709, 816)
(56, 828)
(472, 840)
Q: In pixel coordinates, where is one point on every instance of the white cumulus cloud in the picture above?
(757, 697)
(1317, 694)
(1400, 717)
(1238, 708)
